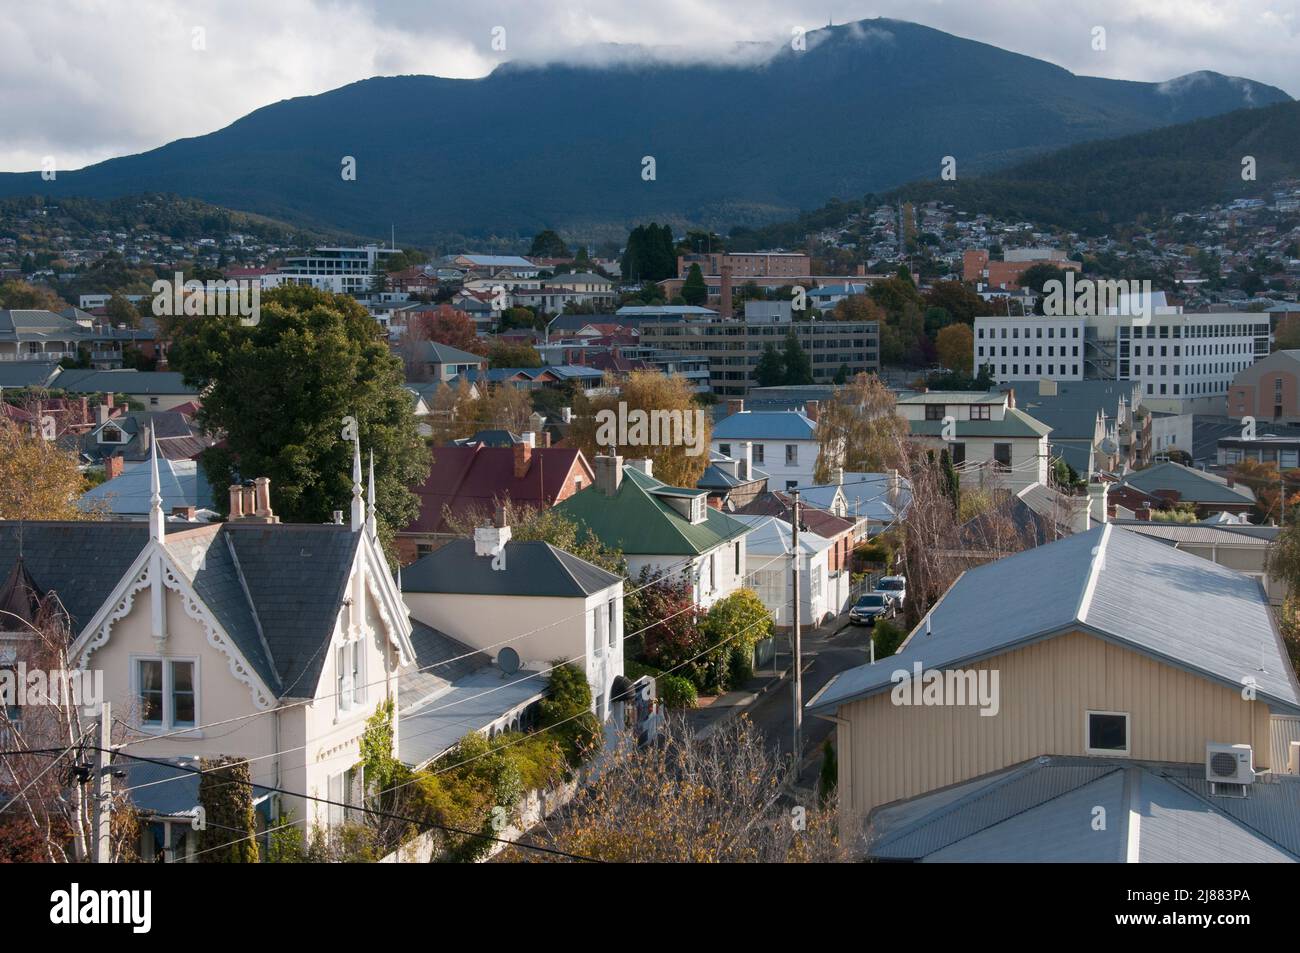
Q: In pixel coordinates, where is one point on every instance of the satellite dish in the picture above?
(508, 661)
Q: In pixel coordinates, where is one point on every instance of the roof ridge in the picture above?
(252, 609)
(1094, 569)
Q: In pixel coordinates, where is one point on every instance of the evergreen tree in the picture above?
(770, 370)
(547, 244)
(798, 365)
(694, 291)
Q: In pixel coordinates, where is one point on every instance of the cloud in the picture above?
(83, 80)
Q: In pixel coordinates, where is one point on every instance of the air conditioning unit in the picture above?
(1229, 764)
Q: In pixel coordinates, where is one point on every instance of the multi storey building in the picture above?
(337, 269)
(735, 346)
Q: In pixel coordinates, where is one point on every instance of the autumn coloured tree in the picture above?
(38, 479)
(956, 347)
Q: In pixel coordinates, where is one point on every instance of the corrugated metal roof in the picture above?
(765, 425)
(1194, 486)
(531, 568)
(1179, 608)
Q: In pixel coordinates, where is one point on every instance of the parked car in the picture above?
(893, 588)
(870, 607)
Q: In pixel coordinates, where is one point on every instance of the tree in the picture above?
(226, 795)
(694, 290)
(547, 244)
(19, 295)
(289, 392)
(731, 628)
(959, 300)
(121, 311)
(858, 308)
(1036, 277)
(1265, 481)
(449, 326)
(665, 621)
(509, 354)
(770, 370)
(38, 480)
(860, 429)
(674, 433)
(687, 800)
(798, 365)
(650, 255)
(956, 347)
(830, 774)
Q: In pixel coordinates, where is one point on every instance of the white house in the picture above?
(770, 544)
(989, 440)
(783, 443)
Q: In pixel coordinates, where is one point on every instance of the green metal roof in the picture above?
(1016, 423)
(638, 522)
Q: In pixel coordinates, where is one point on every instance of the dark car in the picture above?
(869, 608)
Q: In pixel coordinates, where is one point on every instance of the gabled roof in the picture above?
(638, 522)
(811, 518)
(865, 494)
(1030, 814)
(437, 353)
(1172, 606)
(167, 383)
(771, 535)
(1192, 486)
(27, 374)
(765, 425)
(532, 568)
(472, 479)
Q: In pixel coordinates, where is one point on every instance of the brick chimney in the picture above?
(250, 502)
(735, 405)
(185, 512)
(523, 456)
(112, 466)
(811, 409)
(608, 472)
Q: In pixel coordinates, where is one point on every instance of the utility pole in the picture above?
(796, 637)
(103, 787)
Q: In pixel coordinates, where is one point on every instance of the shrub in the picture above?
(677, 692)
(567, 708)
(887, 637)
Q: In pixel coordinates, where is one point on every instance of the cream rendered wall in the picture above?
(896, 752)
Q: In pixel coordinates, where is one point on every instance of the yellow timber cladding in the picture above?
(900, 751)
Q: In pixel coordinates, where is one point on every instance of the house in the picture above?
(38, 335)
(1268, 390)
(1238, 546)
(153, 390)
(873, 502)
(474, 591)
(989, 439)
(119, 439)
(1104, 645)
(732, 482)
(1083, 414)
(446, 363)
(837, 531)
(783, 443)
(288, 636)
(661, 528)
(468, 482)
(768, 549)
(185, 492)
(1208, 492)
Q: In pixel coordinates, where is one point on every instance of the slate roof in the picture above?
(471, 479)
(1030, 814)
(532, 568)
(1192, 486)
(637, 522)
(80, 562)
(765, 425)
(1072, 411)
(1175, 607)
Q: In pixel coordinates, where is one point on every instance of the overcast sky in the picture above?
(84, 80)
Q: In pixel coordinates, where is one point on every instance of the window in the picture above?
(758, 453)
(598, 630)
(167, 692)
(1002, 456)
(724, 449)
(611, 625)
(1106, 732)
(791, 454)
(981, 412)
(348, 674)
(934, 411)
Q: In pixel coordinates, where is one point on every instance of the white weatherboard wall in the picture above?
(771, 580)
(712, 574)
(770, 457)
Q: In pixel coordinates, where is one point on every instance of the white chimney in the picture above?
(1097, 502)
(566, 414)
(608, 472)
(645, 465)
(491, 540)
(746, 458)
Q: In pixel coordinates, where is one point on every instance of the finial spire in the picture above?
(358, 505)
(156, 518)
(372, 522)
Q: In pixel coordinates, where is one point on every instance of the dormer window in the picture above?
(981, 412)
(699, 509)
(111, 434)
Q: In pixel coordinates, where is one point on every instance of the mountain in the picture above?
(868, 106)
(1096, 185)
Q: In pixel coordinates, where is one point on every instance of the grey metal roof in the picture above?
(1041, 812)
(1198, 533)
(169, 790)
(1193, 486)
(532, 568)
(470, 703)
(26, 374)
(1121, 586)
(169, 383)
(182, 484)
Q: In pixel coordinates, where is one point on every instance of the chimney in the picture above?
(186, 513)
(609, 473)
(523, 456)
(236, 501)
(145, 436)
(102, 413)
(112, 466)
(645, 465)
(838, 475)
(262, 499)
(566, 414)
(894, 488)
(746, 458)
(491, 540)
(250, 502)
(1097, 512)
(337, 518)
(735, 405)
(715, 502)
(1047, 387)
(811, 409)
(725, 308)
(536, 422)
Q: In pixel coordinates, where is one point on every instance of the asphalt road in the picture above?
(823, 658)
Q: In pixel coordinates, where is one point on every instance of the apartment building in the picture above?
(734, 346)
(758, 264)
(341, 270)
